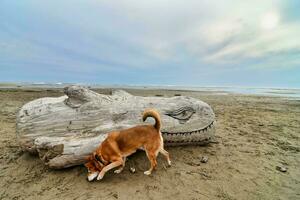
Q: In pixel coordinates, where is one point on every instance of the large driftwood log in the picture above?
(64, 130)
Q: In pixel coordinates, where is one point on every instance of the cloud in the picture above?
(279, 42)
(137, 36)
(216, 33)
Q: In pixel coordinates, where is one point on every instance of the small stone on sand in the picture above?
(132, 169)
(282, 169)
(204, 159)
(115, 195)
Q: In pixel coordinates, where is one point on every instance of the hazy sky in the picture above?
(175, 42)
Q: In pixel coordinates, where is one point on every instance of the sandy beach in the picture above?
(254, 135)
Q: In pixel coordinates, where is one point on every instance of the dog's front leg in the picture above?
(109, 167)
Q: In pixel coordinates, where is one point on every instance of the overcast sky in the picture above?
(175, 42)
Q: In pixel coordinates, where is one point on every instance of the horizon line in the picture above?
(40, 83)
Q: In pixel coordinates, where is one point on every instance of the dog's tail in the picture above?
(153, 113)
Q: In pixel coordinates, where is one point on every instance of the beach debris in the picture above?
(204, 159)
(204, 174)
(115, 195)
(63, 130)
(132, 170)
(281, 168)
(192, 163)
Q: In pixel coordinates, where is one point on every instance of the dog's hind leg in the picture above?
(163, 151)
(152, 158)
(166, 154)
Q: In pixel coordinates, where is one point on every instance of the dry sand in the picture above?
(254, 134)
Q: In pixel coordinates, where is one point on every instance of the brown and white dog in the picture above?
(119, 144)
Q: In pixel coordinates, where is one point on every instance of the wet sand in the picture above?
(254, 134)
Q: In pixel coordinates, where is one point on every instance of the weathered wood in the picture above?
(64, 130)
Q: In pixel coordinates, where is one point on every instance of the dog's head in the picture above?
(94, 166)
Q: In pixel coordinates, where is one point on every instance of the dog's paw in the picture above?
(118, 171)
(92, 176)
(169, 163)
(100, 177)
(147, 172)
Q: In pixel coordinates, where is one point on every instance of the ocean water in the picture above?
(262, 91)
(282, 92)
(293, 93)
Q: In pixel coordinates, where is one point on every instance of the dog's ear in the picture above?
(97, 158)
